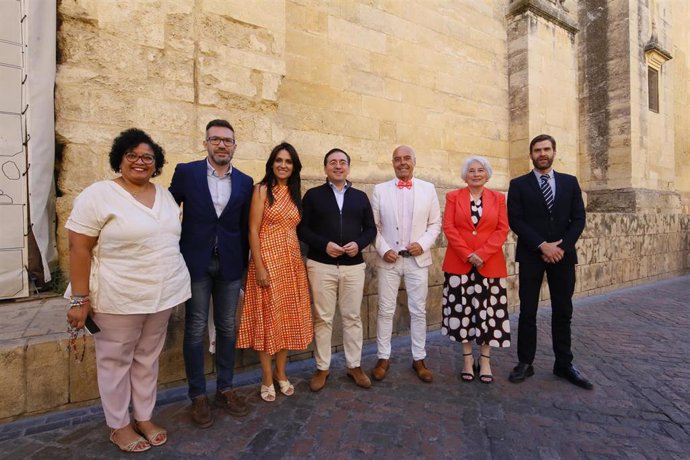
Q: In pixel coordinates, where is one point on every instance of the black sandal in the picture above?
(466, 376)
(486, 378)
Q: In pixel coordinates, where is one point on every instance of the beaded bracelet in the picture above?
(78, 301)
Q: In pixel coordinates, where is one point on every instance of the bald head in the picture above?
(404, 161)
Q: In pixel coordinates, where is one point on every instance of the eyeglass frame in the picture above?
(216, 140)
(147, 158)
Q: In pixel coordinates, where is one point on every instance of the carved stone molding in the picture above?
(551, 10)
(656, 56)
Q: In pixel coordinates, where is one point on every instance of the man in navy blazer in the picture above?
(215, 216)
(547, 213)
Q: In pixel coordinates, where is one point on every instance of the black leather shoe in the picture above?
(573, 376)
(521, 372)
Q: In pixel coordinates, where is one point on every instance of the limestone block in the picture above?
(270, 86)
(603, 274)
(266, 14)
(340, 30)
(372, 309)
(126, 19)
(436, 274)
(255, 126)
(85, 10)
(433, 305)
(82, 104)
(171, 367)
(47, 372)
(169, 64)
(83, 384)
(82, 166)
(321, 96)
(217, 32)
(87, 141)
(367, 312)
(298, 117)
(300, 43)
(162, 115)
(179, 31)
(304, 18)
(392, 89)
(341, 123)
(387, 131)
(246, 357)
(13, 378)
(213, 79)
(301, 355)
(362, 82)
(401, 319)
(544, 291)
(106, 53)
(512, 289)
(370, 280)
(249, 59)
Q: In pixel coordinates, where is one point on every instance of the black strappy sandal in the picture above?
(486, 378)
(466, 376)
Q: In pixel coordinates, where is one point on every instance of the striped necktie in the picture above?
(546, 190)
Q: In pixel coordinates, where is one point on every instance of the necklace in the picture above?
(136, 194)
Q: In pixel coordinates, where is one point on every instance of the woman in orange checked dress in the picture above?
(277, 307)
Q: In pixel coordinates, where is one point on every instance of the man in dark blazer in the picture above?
(215, 215)
(337, 224)
(546, 212)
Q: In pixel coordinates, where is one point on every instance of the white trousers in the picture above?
(417, 286)
(341, 285)
(127, 352)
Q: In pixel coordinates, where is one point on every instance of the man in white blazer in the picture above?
(408, 219)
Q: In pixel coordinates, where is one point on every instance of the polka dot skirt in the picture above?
(475, 308)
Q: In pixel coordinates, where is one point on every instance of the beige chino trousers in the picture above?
(341, 285)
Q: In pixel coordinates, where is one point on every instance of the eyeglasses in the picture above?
(217, 140)
(147, 158)
(334, 163)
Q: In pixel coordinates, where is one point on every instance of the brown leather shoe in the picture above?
(423, 373)
(233, 405)
(379, 372)
(201, 412)
(318, 381)
(360, 378)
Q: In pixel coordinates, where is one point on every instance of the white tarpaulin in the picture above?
(27, 79)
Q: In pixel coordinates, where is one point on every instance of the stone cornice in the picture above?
(546, 9)
(655, 54)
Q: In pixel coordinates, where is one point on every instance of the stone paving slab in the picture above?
(633, 343)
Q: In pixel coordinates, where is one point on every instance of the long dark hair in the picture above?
(294, 181)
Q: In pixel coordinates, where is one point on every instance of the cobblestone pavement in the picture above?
(633, 343)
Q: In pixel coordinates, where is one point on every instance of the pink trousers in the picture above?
(127, 352)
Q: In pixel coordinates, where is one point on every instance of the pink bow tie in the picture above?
(404, 184)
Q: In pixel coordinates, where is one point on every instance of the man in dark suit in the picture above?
(546, 212)
(215, 215)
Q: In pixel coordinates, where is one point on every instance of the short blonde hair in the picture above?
(479, 159)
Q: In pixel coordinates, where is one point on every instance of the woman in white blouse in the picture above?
(127, 273)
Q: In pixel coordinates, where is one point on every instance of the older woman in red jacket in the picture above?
(475, 305)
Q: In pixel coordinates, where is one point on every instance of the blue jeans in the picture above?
(225, 296)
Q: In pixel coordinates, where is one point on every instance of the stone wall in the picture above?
(626, 147)
(317, 74)
(679, 69)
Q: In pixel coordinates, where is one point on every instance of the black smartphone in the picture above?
(91, 326)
